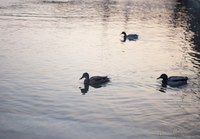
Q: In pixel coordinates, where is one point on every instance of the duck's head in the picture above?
(124, 33)
(85, 75)
(163, 76)
(124, 36)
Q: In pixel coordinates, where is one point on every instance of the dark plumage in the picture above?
(95, 80)
(173, 80)
(130, 37)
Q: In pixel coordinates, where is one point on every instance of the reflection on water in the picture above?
(47, 44)
(85, 89)
(186, 13)
(191, 10)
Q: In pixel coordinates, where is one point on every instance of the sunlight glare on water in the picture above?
(46, 46)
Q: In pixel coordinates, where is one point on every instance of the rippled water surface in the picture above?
(45, 46)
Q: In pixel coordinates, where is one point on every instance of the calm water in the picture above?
(45, 46)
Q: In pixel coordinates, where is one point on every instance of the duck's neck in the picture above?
(124, 35)
(87, 81)
(164, 81)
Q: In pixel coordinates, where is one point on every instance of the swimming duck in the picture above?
(173, 81)
(95, 80)
(130, 37)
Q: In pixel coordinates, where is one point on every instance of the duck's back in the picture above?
(99, 79)
(175, 81)
(132, 37)
(177, 78)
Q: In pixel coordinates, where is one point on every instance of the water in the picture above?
(45, 46)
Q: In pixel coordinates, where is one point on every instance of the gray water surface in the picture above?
(45, 46)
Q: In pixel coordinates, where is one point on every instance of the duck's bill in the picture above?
(158, 78)
(81, 78)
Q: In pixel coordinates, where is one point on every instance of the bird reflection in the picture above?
(85, 89)
(163, 88)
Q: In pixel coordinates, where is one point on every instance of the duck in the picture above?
(95, 81)
(130, 37)
(173, 81)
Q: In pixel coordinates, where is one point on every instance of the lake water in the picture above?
(46, 46)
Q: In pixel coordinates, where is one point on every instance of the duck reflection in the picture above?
(163, 89)
(86, 87)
